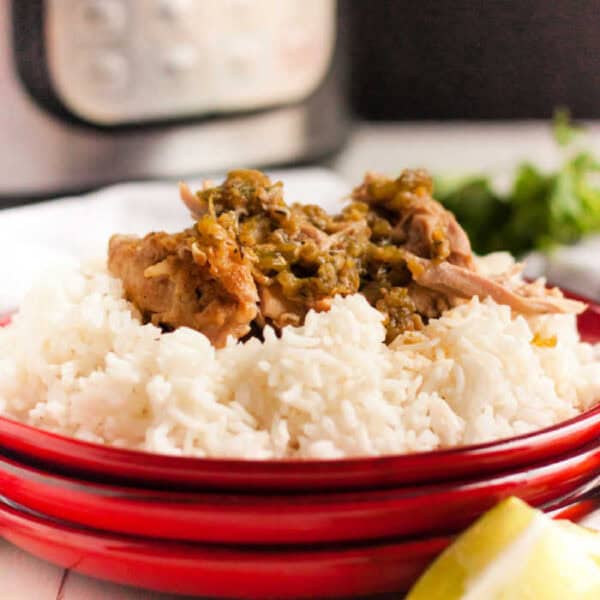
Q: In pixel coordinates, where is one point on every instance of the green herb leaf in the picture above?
(541, 209)
(563, 129)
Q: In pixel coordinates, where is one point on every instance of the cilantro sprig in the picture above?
(541, 209)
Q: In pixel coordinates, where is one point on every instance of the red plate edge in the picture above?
(75, 456)
(218, 571)
(228, 572)
(295, 519)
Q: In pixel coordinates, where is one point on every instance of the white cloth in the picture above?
(575, 268)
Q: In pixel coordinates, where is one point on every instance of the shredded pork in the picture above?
(252, 260)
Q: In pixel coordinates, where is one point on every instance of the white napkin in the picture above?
(36, 237)
(575, 268)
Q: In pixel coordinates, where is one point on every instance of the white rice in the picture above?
(77, 361)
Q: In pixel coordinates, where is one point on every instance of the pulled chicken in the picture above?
(252, 260)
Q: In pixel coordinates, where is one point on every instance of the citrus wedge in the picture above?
(514, 552)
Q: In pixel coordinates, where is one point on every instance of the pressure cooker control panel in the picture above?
(114, 62)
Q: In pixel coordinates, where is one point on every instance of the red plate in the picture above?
(221, 571)
(295, 519)
(117, 465)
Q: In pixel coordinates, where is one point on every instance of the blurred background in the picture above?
(473, 60)
(97, 91)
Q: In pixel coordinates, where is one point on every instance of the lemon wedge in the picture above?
(514, 552)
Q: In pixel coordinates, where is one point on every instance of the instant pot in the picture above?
(98, 91)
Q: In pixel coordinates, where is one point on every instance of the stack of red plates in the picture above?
(277, 529)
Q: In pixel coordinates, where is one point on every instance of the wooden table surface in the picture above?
(24, 577)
